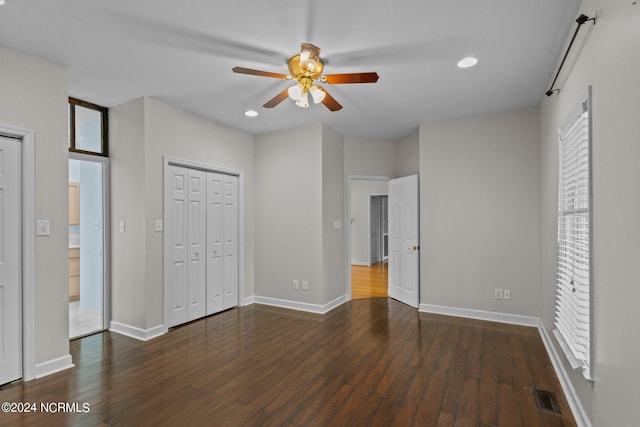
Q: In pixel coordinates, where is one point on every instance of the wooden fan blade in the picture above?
(243, 70)
(336, 79)
(330, 102)
(277, 99)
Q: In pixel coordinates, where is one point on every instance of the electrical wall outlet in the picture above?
(497, 293)
(296, 285)
(305, 285)
(506, 294)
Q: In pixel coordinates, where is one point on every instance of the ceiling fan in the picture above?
(306, 69)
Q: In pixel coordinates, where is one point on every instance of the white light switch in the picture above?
(337, 224)
(122, 226)
(42, 227)
(158, 225)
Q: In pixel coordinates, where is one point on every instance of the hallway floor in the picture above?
(369, 282)
(83, 321)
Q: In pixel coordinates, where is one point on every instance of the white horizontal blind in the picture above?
(573, 279)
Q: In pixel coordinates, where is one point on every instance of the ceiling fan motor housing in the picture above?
(298, 73)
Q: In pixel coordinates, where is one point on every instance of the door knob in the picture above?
(413, 248)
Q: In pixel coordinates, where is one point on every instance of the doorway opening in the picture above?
(379, 228)
(368, 237)
(403, 273)
(88, 243)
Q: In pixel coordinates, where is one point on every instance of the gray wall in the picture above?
(368, 156)
(609, 62)
(407, 158)
(142, 132)
(34, 96)
(299, 196)
(333, 209)
(289, 212)
(128, 249)
(479, 212)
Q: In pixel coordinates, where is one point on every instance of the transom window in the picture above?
(88, 128)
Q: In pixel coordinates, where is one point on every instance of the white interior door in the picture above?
(197, 232)
(215, 239)
(10, 261)
(222, 242)
(230, 290)
(404, 260)
(176, 229)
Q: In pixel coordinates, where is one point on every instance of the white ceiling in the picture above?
(182, 52)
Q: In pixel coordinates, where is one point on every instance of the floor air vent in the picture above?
(546, 400)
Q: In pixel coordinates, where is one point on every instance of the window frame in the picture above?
(569, 343)
(104, 114)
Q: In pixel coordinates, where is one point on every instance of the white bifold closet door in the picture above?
(202, 229)
(222, 241)
(187, 227)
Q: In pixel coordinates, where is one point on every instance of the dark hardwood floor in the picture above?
(367, 363)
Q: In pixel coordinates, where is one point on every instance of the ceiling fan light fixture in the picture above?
(309, 57)
(317, 94)
(305, 68)
(251, 113)
(467, 62)
(303, 101)
(295, 91)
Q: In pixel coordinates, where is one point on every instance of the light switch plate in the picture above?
(42, 227)
(158, 225)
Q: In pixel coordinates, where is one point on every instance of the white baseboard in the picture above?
(248, 301)
(52, 366)
(361, 263)
(301, 306)
(137, 333)
(491, 316)
(577, 409)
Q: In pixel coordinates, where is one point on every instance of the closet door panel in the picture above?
(215, 237)
(176, 224)
(230, 297)
(197, 228)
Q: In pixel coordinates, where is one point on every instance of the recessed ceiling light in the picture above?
(248, 113)
(1, 2)
(467, 62)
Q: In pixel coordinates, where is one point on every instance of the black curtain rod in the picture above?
(581, 20)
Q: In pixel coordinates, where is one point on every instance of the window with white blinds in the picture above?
(573, 278)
